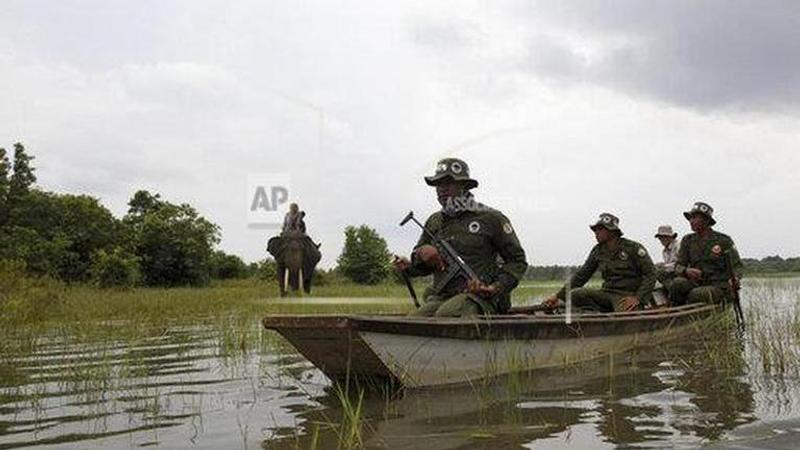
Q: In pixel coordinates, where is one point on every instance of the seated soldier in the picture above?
(627, 270)
(665, 270)
(703, 262)
(482, 236)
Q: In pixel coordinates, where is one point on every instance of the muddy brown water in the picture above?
(210, 386)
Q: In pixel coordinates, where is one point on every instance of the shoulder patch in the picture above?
(474, 226)
(641, 252)
(623, 256)
(507, 229)
(716, 249)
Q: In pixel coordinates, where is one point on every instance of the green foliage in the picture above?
(24, 298)
(225, 266)
(174, 242)
(42, 256)
(75, 238)
(117, 268)
(365, 257)
(23, 178)
(65, 229)
(5, 170)
(771, 264)
(330, 277)
(267, 270)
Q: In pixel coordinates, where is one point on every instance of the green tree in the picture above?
(117, 268)
(174, 243)
(23, 178)
(5, 170)
(225, 266)
(365, 257)
(267, 269)
(41, 256)
(78, 223)
(143, 203)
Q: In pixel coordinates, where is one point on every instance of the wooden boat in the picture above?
(426, 351)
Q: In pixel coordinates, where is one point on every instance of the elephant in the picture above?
(296, 256)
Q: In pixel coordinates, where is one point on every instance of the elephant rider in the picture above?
(703, 259)
(293, 221)
(482, 236)
(627, 270)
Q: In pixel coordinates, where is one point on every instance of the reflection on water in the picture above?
(226, 383)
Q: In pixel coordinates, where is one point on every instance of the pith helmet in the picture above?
(608, 221)
(701, 208)
(666, 231)
(451, 168)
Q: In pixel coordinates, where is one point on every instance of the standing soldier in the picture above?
(703, 261)
(627, 270)
(482, 236)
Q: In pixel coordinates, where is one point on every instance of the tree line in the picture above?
(75, 238)
(159, 243)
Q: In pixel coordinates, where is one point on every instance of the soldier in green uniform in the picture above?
(482, 236)
(628, 273)
(702, 266)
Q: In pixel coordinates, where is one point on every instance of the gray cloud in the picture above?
(357, 101)
(737, 55)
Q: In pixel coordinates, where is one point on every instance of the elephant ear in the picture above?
(275, 246)
(311, 255)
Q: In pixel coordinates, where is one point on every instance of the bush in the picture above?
(40, 256)
(267, 270)
(324, 277)
(69, 227)
(365, 258)
(225, 266)
(115, 269)
(25, 299)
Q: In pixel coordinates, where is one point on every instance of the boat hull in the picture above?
(420, 352)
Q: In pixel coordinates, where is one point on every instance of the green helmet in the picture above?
(608, 221)
(453, 168)
(701, 208)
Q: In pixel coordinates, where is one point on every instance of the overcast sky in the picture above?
(563, 110)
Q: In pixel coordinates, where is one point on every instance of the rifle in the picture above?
(410, 287)
(455, 263)
(734, 282)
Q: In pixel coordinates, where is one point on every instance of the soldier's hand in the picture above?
(400, 263)
(629, 303)
(694, 274)
(735, 284)
(429, 255)
(477, 287)
(551, 302)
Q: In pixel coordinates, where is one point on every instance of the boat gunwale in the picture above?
(352, 321)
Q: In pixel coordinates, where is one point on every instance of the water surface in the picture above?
(224, 382)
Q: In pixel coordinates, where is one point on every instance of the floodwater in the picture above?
(221, 385)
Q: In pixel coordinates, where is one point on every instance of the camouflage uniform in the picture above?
(627, 270)
(485, 240)
(710, 255)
